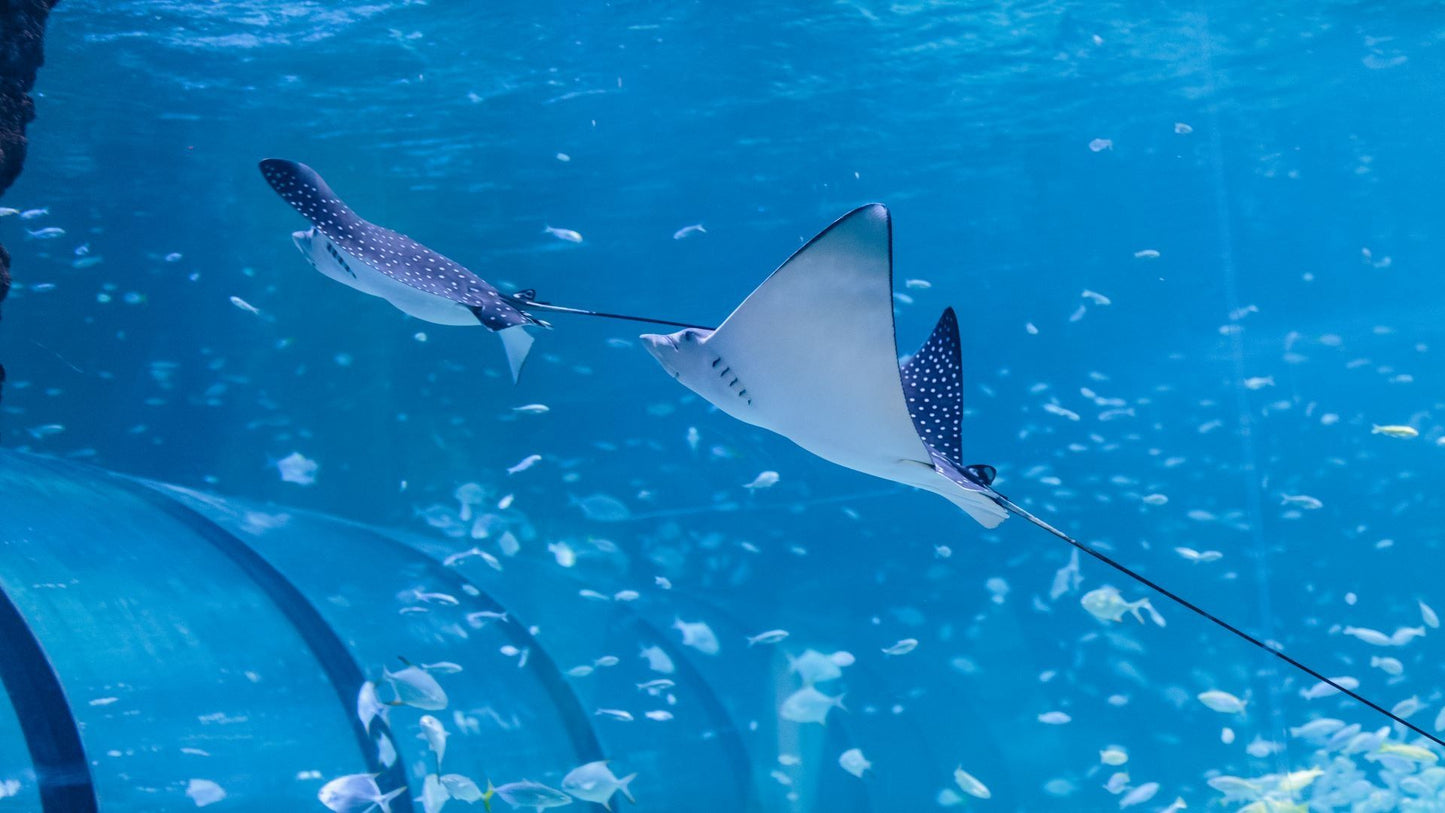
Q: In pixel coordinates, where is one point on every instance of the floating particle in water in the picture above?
(687, 231)
(698, 635)
(204, 792)
(1030, 329)
(1100, 144)
(1055, 718)
(766, 479)
(297, 468)
(1259, 382)
(173, 257)
(1180, 128)
(1146, 254)
(970, 785)
(564, 234)
(1222, 702)
(854, 762)
(563, 157)
(903, 647)
(769, 637)
(808, 705)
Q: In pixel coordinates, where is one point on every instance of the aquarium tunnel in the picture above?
(164, 647)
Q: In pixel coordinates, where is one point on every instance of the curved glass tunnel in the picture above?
(167, 648)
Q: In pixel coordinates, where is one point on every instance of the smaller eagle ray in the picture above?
(811, 355)
(417, 280)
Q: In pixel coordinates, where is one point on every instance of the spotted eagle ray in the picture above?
(811, 354)
(417, 280)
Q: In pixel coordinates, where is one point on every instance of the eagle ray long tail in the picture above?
(527, 304)
(1016, 510)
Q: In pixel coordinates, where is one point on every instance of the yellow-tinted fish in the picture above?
(1395, 431)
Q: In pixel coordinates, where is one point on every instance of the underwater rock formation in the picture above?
(22, 37)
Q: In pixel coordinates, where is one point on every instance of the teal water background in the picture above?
(1296, 215)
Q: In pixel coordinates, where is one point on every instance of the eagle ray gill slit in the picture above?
(816, 344)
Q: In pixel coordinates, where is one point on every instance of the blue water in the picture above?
(1282, 160)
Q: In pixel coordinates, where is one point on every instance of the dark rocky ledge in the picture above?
(22, 37)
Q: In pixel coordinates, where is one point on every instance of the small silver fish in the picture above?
(683, 232)
(529, 794)
(31, 214)
(564, 234)
(525, 463)
(47, 233)
(245, 306)
(769, 637)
